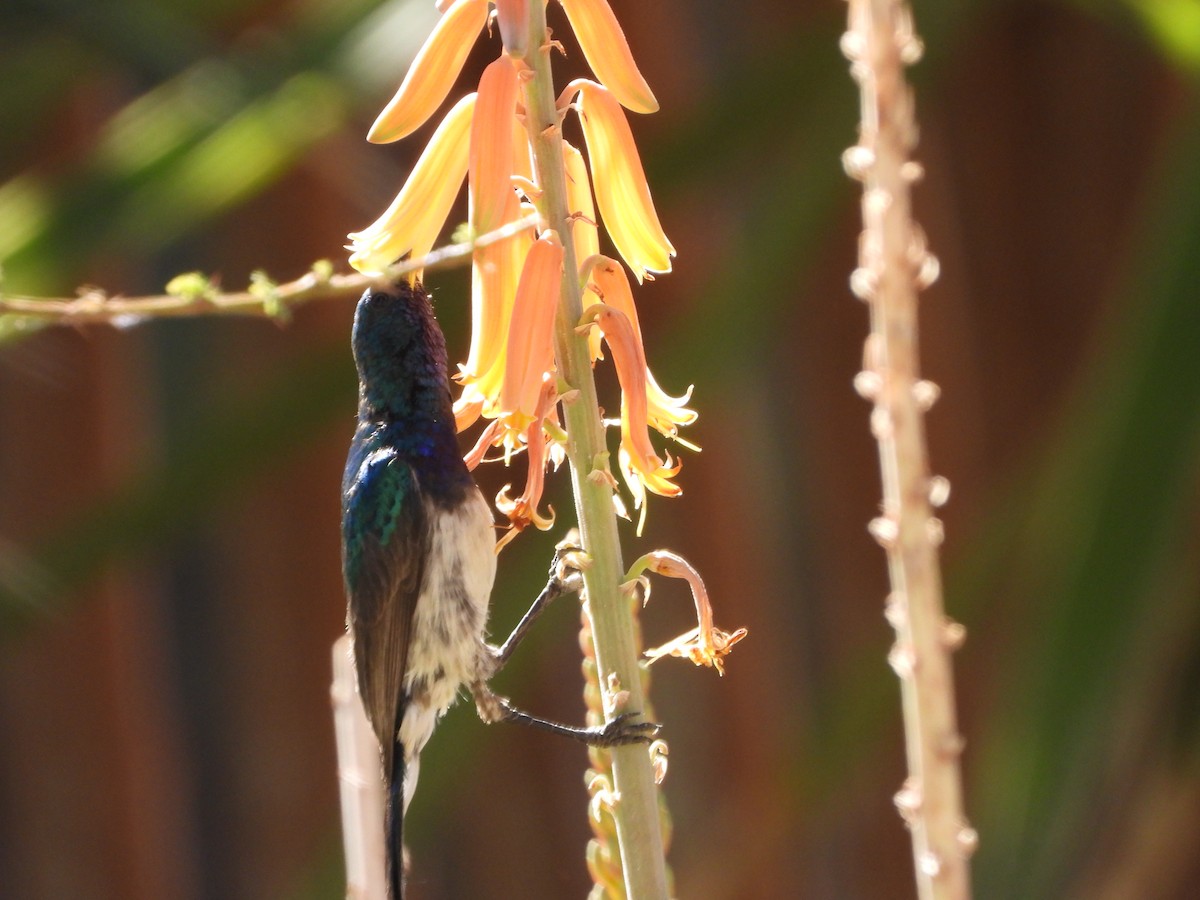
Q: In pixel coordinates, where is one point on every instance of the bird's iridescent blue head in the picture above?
(400, 352)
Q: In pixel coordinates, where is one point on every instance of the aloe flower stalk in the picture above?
(535, 339)
(639, 833)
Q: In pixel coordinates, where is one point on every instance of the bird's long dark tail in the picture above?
(395, 824)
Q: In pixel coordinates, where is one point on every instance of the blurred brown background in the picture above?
(168, 492)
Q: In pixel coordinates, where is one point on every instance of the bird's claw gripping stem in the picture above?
(622, 730)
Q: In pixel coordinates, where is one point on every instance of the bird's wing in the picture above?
(385, 545)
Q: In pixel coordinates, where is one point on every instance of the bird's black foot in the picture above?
(566, 577)
(620, 731)
(624, 729)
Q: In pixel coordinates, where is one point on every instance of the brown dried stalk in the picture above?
(893, 266)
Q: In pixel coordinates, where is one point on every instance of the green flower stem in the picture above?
(636, 809)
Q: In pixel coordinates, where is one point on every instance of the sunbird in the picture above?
(418, 555)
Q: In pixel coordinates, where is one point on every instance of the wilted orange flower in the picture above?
(704, 645)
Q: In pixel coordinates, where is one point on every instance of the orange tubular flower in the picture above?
(497, 144)
(495, 274)
(529, 356)
(491, 157)
(664, 413)
(607, 52)
(642, 467)
(621, 190)
(432, 73)
(412, 222)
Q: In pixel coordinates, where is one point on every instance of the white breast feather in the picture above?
(447, 648)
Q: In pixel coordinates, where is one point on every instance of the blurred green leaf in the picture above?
(198, 144)
(1175, 26)
(1095, 524)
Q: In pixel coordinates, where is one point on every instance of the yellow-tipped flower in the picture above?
(640, 463)
(584, 230)
(664, 413)
(639, 473)
(432, 73)
(620, 182)
(607, 52)
(412, 223)
(497, 143)
(643, 468)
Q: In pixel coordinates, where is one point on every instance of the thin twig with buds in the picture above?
(196, 295)
(894, 265)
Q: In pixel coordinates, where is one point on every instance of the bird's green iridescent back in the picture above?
(374, 499)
